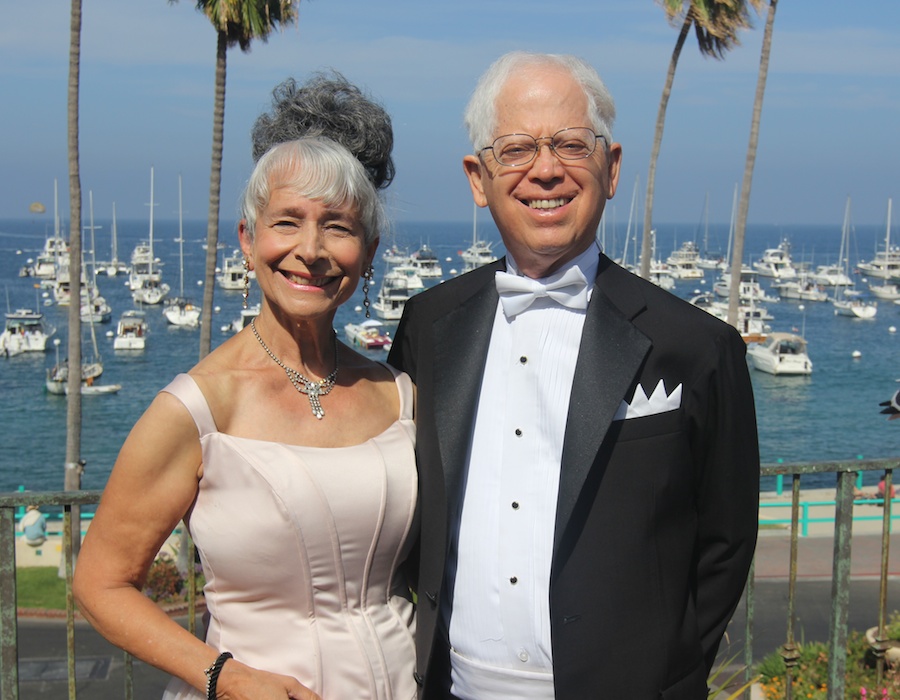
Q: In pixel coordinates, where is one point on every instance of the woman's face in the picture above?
(308, 256)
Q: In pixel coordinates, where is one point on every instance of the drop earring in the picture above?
(368, 275)
(245, 292)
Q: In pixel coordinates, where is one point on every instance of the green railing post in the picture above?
(840, 587)
(9, 634)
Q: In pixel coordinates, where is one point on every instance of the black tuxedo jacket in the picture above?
(657, 515)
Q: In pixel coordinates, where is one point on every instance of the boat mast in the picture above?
(180, 238)
(115, 245)
(152, 204)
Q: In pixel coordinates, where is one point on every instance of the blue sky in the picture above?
(830, 121)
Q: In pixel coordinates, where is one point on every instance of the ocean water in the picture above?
(832, 415)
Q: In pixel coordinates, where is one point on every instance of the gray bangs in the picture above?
(315, 168)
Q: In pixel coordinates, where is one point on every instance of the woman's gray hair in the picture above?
(481, 112)
(315, 168)
(330, 106)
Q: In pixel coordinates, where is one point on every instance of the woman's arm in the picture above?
(152, 486)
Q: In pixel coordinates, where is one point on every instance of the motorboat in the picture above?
(399, 284)
(231, 275)
(885, 264)
(243, 320)
(25, 331)
(780, 354)
(426, 263)
(801, 289)
(131, 331)
(752, 319)
(683, 263)
(368, 335)
(831, 275)
(887, 291)
(394, 255)
(181, 311)
(749, 289)
(476, 255)
(776, 263)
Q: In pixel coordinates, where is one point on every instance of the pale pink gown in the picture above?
(300, 548)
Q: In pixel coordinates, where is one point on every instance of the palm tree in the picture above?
(740, 227)
(716, 24)
(236, 22)
(72, 480)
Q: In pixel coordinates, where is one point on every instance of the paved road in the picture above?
(100, 670)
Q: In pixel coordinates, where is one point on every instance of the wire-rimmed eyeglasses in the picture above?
(575, 143)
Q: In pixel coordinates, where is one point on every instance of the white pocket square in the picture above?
(659, 402)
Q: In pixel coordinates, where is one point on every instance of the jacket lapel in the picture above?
(461, 340)
(610, 356)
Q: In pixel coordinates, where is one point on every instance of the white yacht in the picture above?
(684, 263)
(777, 263)
(399, 284)
(25, 331)
(131, 331)
(781, 354)
(231, 274)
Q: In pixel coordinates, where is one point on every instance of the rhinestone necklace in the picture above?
(305, 386)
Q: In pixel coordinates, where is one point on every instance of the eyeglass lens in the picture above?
(568, 144)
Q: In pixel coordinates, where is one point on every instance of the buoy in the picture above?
(856, 354)
(892, 329)
(357, 308)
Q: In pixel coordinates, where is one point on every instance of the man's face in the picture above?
(548, 210)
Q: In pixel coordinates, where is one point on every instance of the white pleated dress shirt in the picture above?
(500, 621)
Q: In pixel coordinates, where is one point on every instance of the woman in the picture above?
(290, 457)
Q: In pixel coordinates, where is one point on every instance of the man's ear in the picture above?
(614, 163)
(474, 171)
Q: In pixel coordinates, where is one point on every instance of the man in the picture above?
(588, 477)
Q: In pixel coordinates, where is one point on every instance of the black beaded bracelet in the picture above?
(212, 674)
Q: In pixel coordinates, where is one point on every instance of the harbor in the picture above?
(831, 414)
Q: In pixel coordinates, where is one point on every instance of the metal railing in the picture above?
(847, 474)
(846, 479)
(71, 503)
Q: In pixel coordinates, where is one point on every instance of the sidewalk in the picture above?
(815, 552)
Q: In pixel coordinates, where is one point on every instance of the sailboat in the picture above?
(94, 308)
(845, 301)
(114, 266)
(58, 376)
(181, 311)
(477, 254)
(707, 259)
(146, 283)
(886, 290)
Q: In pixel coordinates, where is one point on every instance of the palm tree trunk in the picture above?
(73, 411)
(646, 246)
(740, 228)
(215, 187)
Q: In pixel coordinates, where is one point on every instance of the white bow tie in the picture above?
(518, 293)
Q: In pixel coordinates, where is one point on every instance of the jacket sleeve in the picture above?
(727, 491)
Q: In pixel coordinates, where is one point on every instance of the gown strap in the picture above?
(405, 389)
(185, 389)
